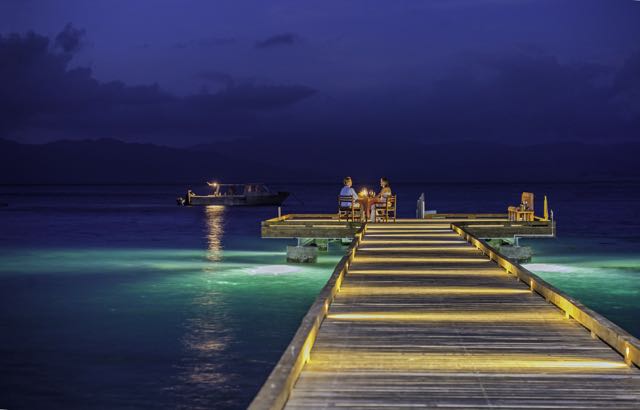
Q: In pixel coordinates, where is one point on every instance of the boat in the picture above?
(254, 194)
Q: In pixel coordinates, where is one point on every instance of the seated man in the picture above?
(347, 190)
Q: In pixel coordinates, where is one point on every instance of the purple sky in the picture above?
(431, 70)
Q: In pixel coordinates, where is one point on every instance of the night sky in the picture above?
(183, 73)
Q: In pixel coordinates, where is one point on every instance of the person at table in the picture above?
(347, 190)
(381, 198)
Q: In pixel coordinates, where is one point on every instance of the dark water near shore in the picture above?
(113, 297)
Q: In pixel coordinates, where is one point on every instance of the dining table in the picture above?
(365, 202)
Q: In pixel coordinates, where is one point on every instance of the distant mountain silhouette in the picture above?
(106, 161)
(470, 161)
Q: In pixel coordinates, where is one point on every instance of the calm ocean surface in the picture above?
(114, 297)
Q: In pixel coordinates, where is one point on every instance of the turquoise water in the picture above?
(113, 297)
(167, 326)
(112, 302)
(608, 282)
(596, 256)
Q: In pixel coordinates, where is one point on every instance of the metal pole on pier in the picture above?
(420, 207)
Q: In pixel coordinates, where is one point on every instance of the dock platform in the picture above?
(328, 226)
(423, 313)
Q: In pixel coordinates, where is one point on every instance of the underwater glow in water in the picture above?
(145, 307)
(608, 283)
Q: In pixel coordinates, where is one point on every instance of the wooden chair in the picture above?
(525, 211)
(385, 211)
(348, 209)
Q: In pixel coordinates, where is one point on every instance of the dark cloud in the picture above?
(523, 97)
(513, 96)
(251, 97)
(69, 39)
(285, 39)
(215, 41)
(38, 90)
(206, 42)
(216, 77)
(626, 88)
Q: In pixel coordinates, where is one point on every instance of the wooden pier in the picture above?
(423, 313)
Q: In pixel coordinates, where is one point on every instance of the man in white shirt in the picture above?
(347, 190)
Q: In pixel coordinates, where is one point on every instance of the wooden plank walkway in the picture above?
(424, 319)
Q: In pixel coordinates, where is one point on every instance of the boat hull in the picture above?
(238, 200)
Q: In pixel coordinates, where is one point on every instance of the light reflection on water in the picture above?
(215, 225)
(203, 338)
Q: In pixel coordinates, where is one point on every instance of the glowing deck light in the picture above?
(430, 290)
(414, 235)
(411, 242)
(471, 316)
(390, 231)
(397, 225)
(411, 227)
(396, 259)
(422, 249)
(428, 272)
(461, 362)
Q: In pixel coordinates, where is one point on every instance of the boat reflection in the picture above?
(200, 370)
(215, 230)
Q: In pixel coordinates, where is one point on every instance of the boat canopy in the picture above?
(238, 189)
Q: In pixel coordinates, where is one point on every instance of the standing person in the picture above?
(382, 196)
(347, 190)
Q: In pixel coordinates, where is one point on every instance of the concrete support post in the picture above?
(302, 254)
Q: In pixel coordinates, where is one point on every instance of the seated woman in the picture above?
(381, 198)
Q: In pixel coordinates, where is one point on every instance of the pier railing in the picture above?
(278, 386)
(613, 335)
